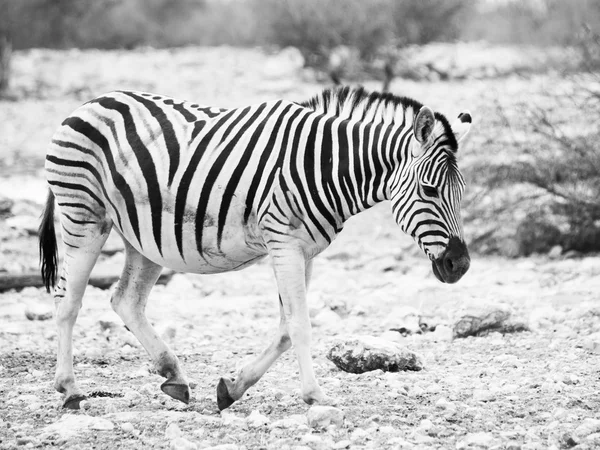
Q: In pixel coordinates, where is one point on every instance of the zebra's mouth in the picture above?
(453, 263)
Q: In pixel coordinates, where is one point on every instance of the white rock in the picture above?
(483, 395)
(359, 434)
(326, 318)
(182, 444)
(416, 391)
(223, 447)
(476, 440)
(342, 444)
(127, 427)
(293, 421)
(173, 431)
(589, 426)
(442, 333)
(320, 416)
(231, 420)
(256, 419)
(133, 397)
(38, 312)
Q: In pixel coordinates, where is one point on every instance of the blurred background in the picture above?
(527, 70)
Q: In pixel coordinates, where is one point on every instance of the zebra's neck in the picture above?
(357, 160)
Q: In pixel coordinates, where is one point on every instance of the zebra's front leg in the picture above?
(229, 391)
(129, 302)
(292, 272)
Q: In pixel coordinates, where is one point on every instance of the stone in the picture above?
(172, 431)
(326, 318)
(361, 354)
(38, 312)
(588, 426)
(257, 420)
(483, 395)
(479, 440)
(182, 444)
(127, 427)
(342, 444)
(290, 422)
(475, 320)
(71, 425)
(321, 416)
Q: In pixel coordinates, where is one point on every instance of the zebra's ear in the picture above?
(423, 124)
(462, 125)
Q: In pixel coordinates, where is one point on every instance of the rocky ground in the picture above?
(529, 379)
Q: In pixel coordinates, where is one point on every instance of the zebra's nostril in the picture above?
(449, 264)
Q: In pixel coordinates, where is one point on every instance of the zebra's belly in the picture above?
(236, 247)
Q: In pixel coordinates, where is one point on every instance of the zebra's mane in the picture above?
(375, 107)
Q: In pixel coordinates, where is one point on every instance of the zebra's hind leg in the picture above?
(83, 243)
(129, 302)
(229, 391)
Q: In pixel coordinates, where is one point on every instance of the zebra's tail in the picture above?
(48, 245)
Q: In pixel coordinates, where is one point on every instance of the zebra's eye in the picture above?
(430, 191)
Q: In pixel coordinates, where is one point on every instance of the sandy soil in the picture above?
(537, 389)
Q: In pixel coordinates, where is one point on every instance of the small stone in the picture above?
(101, 424)
(320, 416)
(38, 312)
(361, 354)
(110, 322)
(315, 442)
(182, 444)
(133, 397)
(127, 427)
(483, 395)
(342, 444)
(359, 434)
(231, 420)
(555, 252)
(326, 318)
(442, 333)
(257, 420)
(475, 320)
(416, 391)
(172, 431)
(477, 441)
(589, 426)
(293, 421)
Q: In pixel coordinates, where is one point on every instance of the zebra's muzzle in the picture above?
(453, 263)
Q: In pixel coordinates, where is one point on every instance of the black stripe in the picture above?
(344, 166)
(83, 127)
(145, 161)
(331, 193)
(237, 173)
(77, 205)
(188, 116)
(308, 167)
(78, 187)
(280, 157)
(87, 166)
(168, 132)
(188, 175)
(217, 167)
(260, 169)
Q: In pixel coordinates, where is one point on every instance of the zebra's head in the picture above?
(427, 189)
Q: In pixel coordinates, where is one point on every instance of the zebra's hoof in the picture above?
(224, 400)
(177, 391)
(74, 401)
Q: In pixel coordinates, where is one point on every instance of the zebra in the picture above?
(208, 190)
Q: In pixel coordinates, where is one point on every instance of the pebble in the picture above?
(476, 440)
(483, 395)
(359, 434)
(257, 420)
(292, 421)
(133, 397)
(127, 427)
(321, 416)
(231, 420)
(342, 444)
(38, 312)
(588, 426)
(172, 431)
(182, 444)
